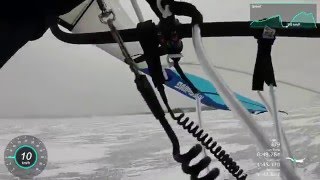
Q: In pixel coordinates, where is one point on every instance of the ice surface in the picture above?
(136, 148)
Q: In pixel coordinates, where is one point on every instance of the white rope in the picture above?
(165, 75)
(137, 10)
(287, 145)
(283, 134)
(166, 11)
(264, 101)
(199, 111)
(275, 117)
(233, 103)
(280, 133)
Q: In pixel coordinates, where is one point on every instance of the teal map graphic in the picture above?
(301, 20)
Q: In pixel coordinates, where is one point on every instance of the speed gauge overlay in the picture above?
(25, 156)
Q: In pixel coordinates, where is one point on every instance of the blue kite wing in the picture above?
(210, 96)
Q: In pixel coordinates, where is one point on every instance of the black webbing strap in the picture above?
(142, 57)
(149, 42)
(184, 77)
(263, 70)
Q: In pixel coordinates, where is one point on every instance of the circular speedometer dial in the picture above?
(25, 157)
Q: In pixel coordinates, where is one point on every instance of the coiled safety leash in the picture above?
(148, 94)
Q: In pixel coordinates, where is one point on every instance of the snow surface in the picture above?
(136, 147)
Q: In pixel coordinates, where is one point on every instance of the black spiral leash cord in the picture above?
(199, 133)
(166, 35)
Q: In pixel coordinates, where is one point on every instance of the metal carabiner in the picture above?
(104, 16)
(105, 12)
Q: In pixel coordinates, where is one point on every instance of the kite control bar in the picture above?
(210, 29)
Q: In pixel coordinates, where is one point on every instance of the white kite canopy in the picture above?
(295, 60)
(234, 56)
(73, 16)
